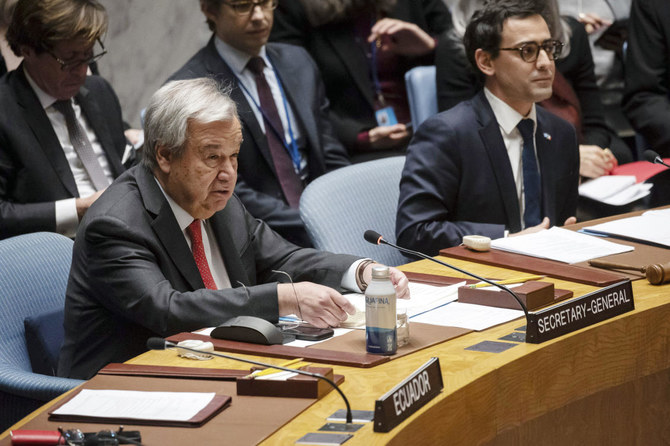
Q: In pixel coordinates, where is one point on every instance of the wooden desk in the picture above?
(606, 384)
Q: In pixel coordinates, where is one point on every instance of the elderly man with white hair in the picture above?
(169, 248)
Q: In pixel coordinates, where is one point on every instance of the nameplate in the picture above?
(408, 396)
(578, 313)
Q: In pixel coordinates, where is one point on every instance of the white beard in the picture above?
(320, 12)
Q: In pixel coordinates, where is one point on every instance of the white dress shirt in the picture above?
(66, 210)
(213, 253)
(508, 119)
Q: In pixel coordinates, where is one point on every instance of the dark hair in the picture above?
(213, 6)
(485, 28)
(39, 24)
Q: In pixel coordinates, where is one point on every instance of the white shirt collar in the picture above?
(183, 218)
(507, 117)
(46, 100)
(237, 60)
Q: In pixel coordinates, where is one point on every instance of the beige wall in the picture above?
(147, 41)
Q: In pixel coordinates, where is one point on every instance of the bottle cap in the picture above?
(380, 272)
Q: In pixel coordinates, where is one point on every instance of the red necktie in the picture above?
(199, 254)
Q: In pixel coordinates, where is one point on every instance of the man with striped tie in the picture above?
(61, 131)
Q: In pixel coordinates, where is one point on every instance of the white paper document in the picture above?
(423, 297)
(560, 244)
(164, 406)
(615, 190)
(473, 317)
(652, 226)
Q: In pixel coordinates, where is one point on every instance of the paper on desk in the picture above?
(560, 244)
(162, 406)
(652, 226)
(471, 316)
(615, 190)
(279, 376)
(423, 297)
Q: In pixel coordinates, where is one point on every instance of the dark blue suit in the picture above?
(258, 185)
(458, 179)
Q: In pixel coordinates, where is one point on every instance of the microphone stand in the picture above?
(162, 344)
(377, 239)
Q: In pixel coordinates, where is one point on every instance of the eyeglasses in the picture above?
(529, 51)
(246, 7)
(67, 65)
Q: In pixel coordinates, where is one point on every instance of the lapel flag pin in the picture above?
(547, 136)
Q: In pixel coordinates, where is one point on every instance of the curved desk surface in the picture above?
(605, 384)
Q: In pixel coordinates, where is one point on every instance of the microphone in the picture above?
(654, 158)
(377, 239)
(156, 343)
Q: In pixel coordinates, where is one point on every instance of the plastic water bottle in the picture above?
(380, 313)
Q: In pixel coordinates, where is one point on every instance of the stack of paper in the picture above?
(135, 405)
(560, 244)
(423, 298)
(435, 305)
(651, 227)
(615, 190)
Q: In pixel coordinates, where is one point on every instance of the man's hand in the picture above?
(544, 224)
(595, 162)
(570, 221)
(133, 136)
(398, 279)
(319, 305)
(592, 22)
(84, 203)
(387, 137)
(403, 38)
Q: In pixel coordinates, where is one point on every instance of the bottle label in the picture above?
(380, 340)
(380, 323)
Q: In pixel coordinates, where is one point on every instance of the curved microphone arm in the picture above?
(162, 344)
(377, 239)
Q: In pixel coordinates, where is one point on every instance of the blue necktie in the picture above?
(531, 176)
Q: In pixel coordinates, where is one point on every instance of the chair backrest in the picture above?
(34, 270)
(339, 207)
(421, 93)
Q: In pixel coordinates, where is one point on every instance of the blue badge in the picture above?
(386, 116)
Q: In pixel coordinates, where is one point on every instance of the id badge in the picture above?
(386, 116)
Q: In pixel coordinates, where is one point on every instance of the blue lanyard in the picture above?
(374, 70)
(291, 148)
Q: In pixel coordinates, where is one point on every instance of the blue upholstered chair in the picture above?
(33, 276)
(339, 207)
(421, 93)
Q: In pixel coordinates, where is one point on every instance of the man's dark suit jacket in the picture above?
(647, 94)
(258, 185)
(34, 172)
(457, 81)
(457, 178)
(133, 275)
(345, 69)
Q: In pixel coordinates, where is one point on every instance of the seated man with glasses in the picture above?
(288, 137)
(61, 132)
(495, 164)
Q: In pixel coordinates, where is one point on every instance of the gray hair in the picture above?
(171, 108)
